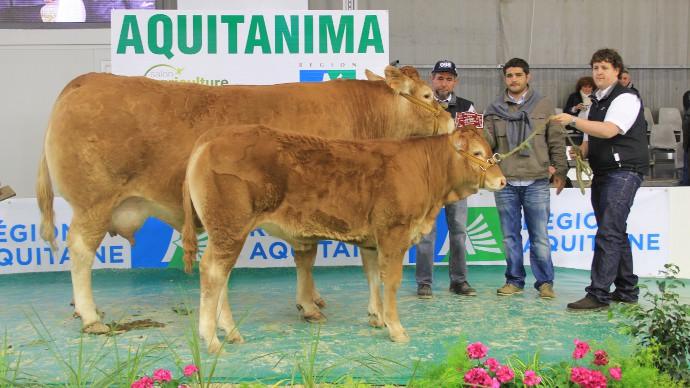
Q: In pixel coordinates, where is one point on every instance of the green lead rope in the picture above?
(581, 165)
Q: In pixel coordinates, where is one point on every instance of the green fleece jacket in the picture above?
(548, 147)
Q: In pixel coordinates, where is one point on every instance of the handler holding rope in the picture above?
(618, 156)
(509, 122)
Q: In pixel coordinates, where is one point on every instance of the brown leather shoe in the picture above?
(588, 303)
(463, 288)
(424, 291)
(546, 291)
(6, 192)
(509, 289)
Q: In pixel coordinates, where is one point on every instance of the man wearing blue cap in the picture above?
(444, 78)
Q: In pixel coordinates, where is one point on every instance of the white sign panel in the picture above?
(23, 250)
(248, 47)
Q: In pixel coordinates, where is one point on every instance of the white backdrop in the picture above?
(571, 228)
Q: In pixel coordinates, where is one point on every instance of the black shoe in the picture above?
(463, 288)
(587, 303)
(621, 299)
(424, 291)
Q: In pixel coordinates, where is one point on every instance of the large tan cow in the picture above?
(117, 148)
(381, 195)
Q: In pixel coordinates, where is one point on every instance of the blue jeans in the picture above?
(534, 200)
(613, 194)
(456, 218)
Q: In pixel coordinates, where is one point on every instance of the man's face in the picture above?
(516, 80)
(443, 84)
(625, 79)
(604, 74)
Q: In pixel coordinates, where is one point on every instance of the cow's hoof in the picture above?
(95, 328)
(315, 317)
(234, 338)
(215, 346)
(401, 337)
(320, 302)
(376, 321)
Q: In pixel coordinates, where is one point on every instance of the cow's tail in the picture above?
(189, 242)
(45, 196)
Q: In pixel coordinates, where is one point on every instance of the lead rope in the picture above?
(581, 165)
(435, 111)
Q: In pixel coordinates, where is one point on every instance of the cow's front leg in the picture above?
(215, 268)
(390, 264)
(371, 269)
(307, 296)
(85, 234)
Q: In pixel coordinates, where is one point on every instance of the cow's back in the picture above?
(131, 136)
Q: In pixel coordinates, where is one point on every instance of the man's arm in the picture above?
(489, 133)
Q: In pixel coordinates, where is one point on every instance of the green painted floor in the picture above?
(276, 339)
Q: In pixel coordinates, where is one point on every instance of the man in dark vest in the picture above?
(444, 78)
(619, 158)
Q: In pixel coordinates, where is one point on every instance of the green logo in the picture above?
(484, 237)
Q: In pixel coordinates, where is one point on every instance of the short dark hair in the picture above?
(584, 81)
(516, 62)
(686, 100)
(608, 55)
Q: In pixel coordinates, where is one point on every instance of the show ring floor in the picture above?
(276, 339)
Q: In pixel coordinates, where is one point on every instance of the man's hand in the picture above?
(559, 182)
(562, 118)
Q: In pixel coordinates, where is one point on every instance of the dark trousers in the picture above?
(613, 194)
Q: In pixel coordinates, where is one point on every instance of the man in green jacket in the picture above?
(509, 121)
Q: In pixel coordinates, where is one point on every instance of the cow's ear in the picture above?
(411, 72)
(459, 141)
(373, 77)
(398, 81)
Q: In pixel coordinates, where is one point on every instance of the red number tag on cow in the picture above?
(465, 119)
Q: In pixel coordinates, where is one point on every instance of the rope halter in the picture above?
(484, 165)
(435, 111)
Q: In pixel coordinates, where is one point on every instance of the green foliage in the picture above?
(662, 325)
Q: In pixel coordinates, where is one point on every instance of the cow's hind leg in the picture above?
(307, 296)
(225, 320)
(371, 269)
(86, 232)
(390, 265)
(215, 270)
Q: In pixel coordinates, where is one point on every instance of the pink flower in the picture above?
(478, 377)
(531, 379)
(600, 358)
(144, 382)
(492, 363)
(477, 350)
(504, 374)
(579, 375)
(615, 373)
(190, 370)
(162, 375)
(587, 378)
(581, 349)
(495, 383)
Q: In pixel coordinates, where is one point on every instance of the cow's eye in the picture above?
(427, 96)
(478, 154)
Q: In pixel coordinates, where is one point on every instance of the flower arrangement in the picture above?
(592, 377)
(491, 373)
(163, 378)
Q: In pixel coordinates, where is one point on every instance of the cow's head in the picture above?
(478, 167)
(414, 96)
